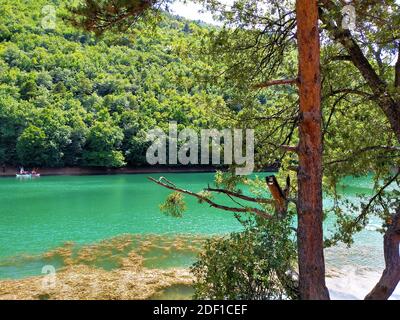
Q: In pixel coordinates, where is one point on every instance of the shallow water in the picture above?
(175, 292)
(40, 215)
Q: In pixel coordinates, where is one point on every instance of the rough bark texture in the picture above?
(391, 275)
(397, 69)
(278, 195)
(310, 237)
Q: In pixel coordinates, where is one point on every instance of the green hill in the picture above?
(68, 98)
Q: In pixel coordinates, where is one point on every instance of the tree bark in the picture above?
(310, 235)
(397, 69)
(391, 275)
(278, 195)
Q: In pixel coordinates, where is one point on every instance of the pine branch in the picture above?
(169, 185)
(276, 82)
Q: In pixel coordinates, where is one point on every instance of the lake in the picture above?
(40, 215)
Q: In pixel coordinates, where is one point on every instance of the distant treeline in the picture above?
(70, 99)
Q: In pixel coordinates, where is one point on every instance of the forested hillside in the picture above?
(68, 98)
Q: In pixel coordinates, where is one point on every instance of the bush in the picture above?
(108, 159)
(32, 146)
(251, 265)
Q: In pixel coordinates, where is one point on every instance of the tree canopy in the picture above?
(68, 98)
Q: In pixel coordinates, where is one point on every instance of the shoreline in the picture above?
(84, 171)
(81, 171)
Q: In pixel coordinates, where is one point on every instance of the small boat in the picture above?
(24, 175)
(27, 174)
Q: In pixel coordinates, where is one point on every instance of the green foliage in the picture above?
(108, 159)
(358, 139)
(99, 16)
(32, 146)
(69, 98)
(103, 136)
(204, 195)
(95, 98)
(253, 264)
(174, 205)
(229, 180)
(12, 123)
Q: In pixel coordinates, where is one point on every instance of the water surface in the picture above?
(39, 215)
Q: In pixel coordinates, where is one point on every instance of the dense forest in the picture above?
(68, 98)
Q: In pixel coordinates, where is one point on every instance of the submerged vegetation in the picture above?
(85, 272)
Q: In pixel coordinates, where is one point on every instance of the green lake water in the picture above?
(39, 215)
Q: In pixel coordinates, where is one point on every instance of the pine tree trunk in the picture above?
(391, 275)
(310, 238)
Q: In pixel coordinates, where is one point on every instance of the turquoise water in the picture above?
(41, 214)
(37, 215)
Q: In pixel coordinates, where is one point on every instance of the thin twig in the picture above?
(377, 195)
(276, 82)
